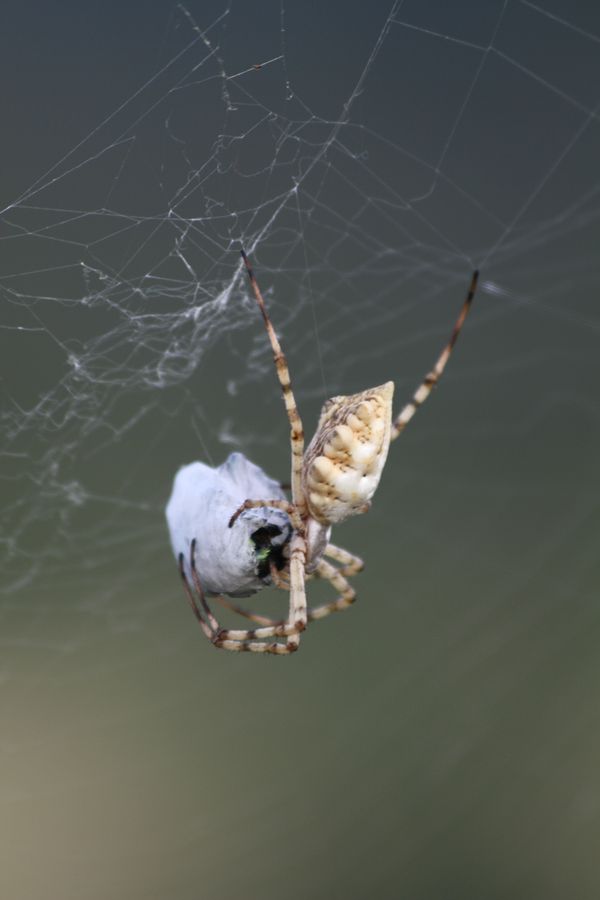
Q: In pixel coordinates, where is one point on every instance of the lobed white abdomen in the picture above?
(345, 459)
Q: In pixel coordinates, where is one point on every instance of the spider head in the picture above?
(345, 459)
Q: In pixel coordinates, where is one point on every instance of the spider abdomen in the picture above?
(345, 459)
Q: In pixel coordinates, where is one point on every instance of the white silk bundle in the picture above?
(234, 561)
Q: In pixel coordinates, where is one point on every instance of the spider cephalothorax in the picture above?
(334, 479)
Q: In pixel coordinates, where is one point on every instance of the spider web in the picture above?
(367, 170)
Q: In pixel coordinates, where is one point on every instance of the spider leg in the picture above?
(285, 505)
(246, 640)
(200, 590)
(432, 378)
(283, 373)
(252, 640)
(298, 612)
(254, 617)
(208, 631)
(346, 592)
(351, 564)
(279, 579)
(255, 640)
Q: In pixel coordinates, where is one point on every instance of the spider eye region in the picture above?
(345, 459)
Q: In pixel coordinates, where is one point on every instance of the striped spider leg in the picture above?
(298, 548)
(431, 379)
(253, 640)
(229, 638)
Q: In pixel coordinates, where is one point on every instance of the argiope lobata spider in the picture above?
(335, 478)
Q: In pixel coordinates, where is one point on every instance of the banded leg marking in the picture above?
(351, 564)
(339, 582)
(432, 378)
(249, 640)
(283, 374)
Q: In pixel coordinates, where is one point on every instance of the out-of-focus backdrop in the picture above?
(441, 739)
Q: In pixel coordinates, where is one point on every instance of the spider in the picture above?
(335, 478)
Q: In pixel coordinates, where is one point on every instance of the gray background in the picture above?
(441, 739)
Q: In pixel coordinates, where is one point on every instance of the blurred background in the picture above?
(441, 739)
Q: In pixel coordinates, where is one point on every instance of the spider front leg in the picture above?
(249, 640)
(283, 374)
